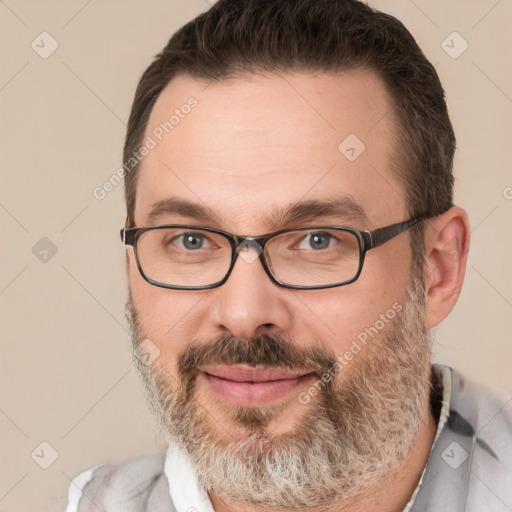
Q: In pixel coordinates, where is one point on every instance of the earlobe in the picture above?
(446, 247)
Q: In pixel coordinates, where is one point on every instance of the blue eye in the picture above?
(316, 241)
(192, 241)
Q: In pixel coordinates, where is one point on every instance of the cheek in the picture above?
(165, 316)
(335, 317)
(388, 270)
(360, 311)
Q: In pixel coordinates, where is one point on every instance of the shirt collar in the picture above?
(446, 381)
(186, 492)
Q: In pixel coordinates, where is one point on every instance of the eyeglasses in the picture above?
(186, 257)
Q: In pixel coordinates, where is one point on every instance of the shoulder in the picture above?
(485, 415)
(491, 409)
(137, 484)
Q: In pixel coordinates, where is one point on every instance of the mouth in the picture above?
(246, 385)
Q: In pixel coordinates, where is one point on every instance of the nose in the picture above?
(249, 303)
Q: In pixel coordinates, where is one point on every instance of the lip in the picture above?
(246, 385)
(246, 373)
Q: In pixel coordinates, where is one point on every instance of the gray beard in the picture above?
(353, 434)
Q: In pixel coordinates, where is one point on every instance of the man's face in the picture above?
(253, 149)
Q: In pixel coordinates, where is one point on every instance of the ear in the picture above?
(446, 252)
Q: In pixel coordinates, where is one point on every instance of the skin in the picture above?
(258, 144)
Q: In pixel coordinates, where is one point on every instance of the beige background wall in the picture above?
(66, 372)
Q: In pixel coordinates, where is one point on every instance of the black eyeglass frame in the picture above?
(367, 240)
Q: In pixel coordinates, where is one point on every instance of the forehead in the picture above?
(256, 144)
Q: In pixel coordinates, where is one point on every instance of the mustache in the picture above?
(271, 351)
(263, 350)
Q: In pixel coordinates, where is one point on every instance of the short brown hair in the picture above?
(237, 37)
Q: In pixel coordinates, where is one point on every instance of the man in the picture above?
(291, 240)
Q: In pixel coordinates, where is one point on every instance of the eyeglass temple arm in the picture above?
(127, 236)
(379, 236)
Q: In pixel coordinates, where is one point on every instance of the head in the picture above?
(265, 115)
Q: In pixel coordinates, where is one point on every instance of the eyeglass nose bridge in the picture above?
(249, 248)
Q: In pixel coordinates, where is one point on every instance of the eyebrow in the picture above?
(175, 206)
(345, 208)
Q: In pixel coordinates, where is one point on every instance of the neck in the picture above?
(389, 495)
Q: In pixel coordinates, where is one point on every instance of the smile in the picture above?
(245, 385)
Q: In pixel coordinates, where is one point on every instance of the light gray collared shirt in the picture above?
(469, 468)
